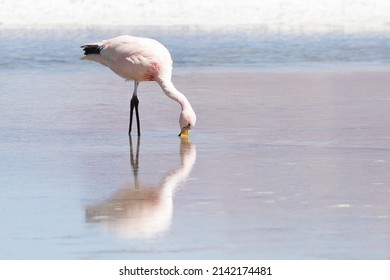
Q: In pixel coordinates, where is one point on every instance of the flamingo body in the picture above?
(141, 59)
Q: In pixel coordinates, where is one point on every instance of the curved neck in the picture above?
(170, 90)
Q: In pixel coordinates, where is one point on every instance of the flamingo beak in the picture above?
(184, 133)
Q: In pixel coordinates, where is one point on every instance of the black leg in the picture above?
(137, 115)
(131, 115)
(134, 104)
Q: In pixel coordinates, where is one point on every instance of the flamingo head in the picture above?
(187, 121)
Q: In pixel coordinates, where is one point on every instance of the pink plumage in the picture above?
(141, 59)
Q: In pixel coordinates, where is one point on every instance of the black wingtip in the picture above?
(91, 49)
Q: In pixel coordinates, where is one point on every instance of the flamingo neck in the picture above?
(170, 90)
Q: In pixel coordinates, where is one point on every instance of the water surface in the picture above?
(283, 164)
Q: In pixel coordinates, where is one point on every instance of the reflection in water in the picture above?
(138, 211)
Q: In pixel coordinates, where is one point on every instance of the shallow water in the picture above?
(250, 47)
(274, 170)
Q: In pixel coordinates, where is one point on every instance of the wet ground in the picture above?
(281, 165)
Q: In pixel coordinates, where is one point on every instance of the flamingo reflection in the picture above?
(139, 211)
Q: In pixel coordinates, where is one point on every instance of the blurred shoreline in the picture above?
(272, 15)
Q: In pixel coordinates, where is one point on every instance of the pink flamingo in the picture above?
(141, 59)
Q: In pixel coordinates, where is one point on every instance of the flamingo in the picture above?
(141, 59)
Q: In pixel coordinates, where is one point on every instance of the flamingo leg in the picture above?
(134, 105)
